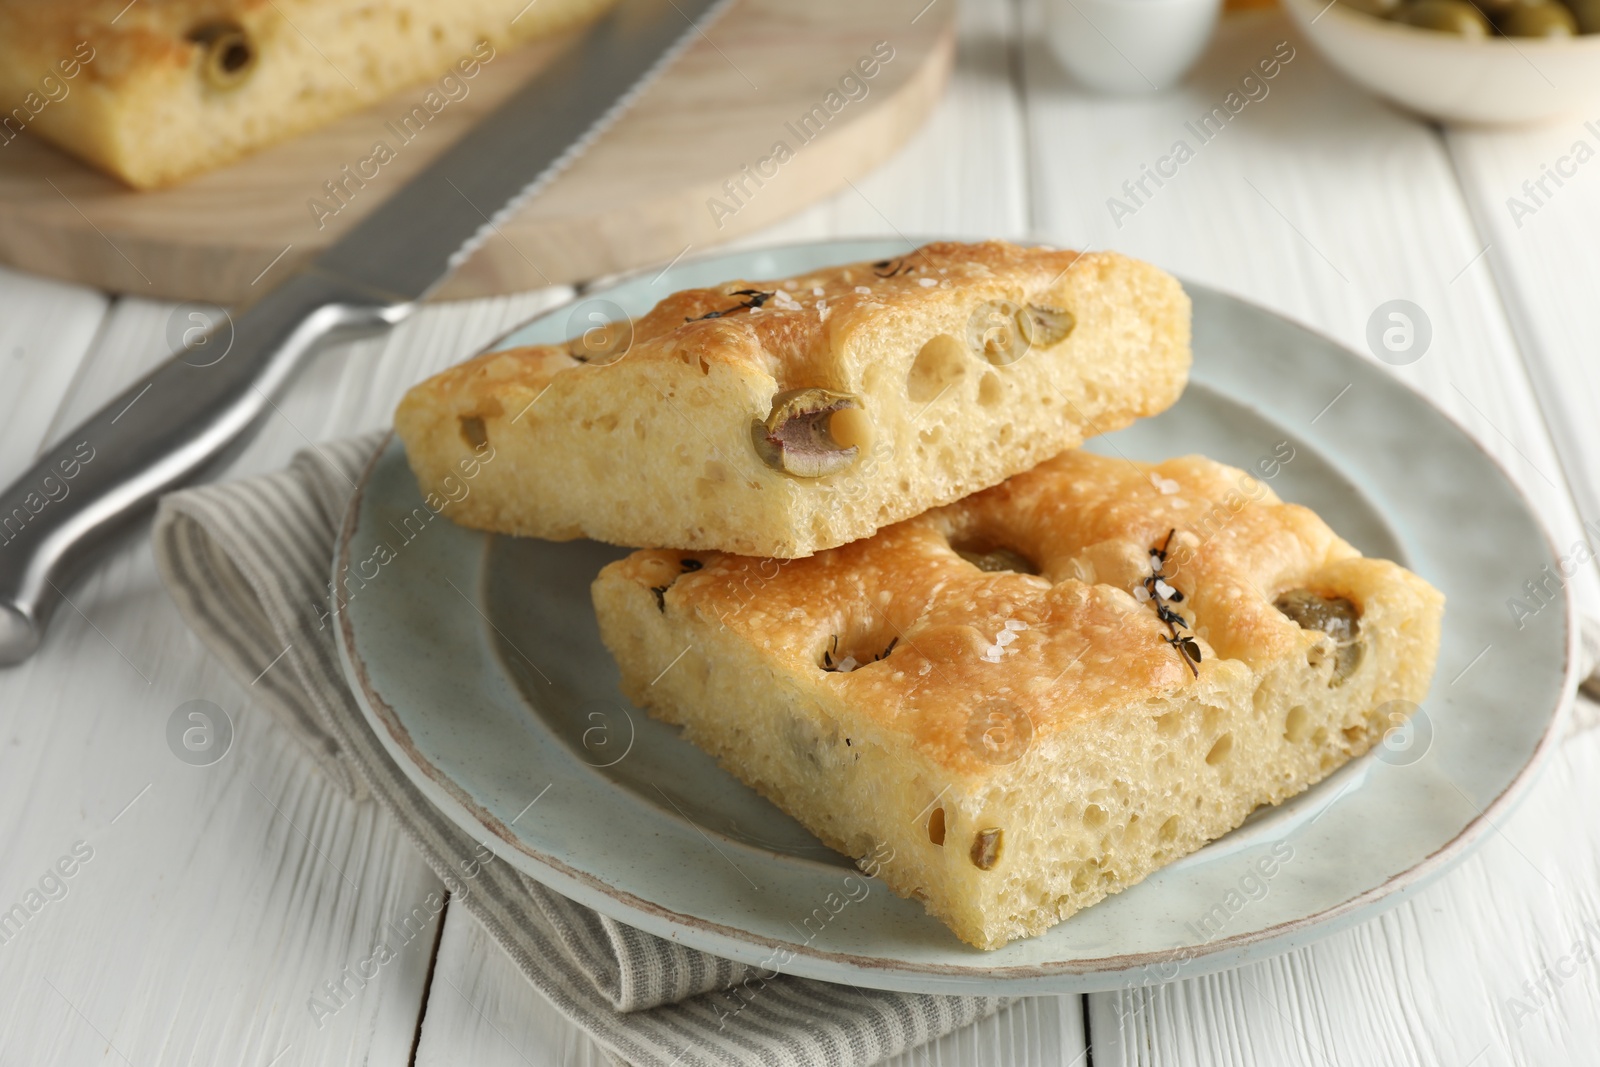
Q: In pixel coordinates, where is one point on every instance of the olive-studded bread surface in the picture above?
(1038, 695)
(782, 417)
(155, 92)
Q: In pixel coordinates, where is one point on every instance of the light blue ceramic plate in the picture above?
(478, 662)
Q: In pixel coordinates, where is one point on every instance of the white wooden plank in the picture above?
(130, 340)
(216, 906)
(45, 329)
(1539, 228)
(220, 890)
(483, 1012)
(960, 175)
(1321, 202)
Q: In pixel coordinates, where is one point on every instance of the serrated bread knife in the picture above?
(165, 428)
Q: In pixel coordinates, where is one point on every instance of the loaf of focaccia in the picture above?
(781, 417)
(1040, 694)
(154, 92)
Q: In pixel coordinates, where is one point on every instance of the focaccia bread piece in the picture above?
(1017, 694)
(155, 92)
(778, 418)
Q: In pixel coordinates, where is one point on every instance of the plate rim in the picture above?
(735, 943)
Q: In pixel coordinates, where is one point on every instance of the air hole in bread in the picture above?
(843, 653)
(1094, 816)
(473, 431)
(850, 428)
(1220, 750)
(936, 826)
(989, 555)
(1170, 724)
(1297, 724)
(1169, 829)
(940, 364)
(990, 391)
(1354, 734)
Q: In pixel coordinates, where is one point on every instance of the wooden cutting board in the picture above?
(758, 118)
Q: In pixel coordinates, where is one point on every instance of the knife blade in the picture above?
(164, 429)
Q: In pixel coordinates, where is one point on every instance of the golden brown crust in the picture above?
(1085, 646)
(801, 323)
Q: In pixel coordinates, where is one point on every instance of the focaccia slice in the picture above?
(155, 92)
(1038, 695)
(778, 418)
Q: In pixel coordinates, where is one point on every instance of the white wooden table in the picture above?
(217, 900)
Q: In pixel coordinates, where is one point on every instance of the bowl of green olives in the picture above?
(1478, 62)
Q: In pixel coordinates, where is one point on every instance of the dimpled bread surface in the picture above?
(1021, 778)
(652, 442)
(143, 110)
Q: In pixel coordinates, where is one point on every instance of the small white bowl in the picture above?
(1498, 81)
(1129, 46)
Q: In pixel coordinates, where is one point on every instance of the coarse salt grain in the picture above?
(927, 283)
(863, 290)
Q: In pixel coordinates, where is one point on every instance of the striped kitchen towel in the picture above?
(248, 564)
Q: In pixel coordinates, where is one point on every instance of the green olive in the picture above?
(1337, 617)
(1587, 15)
(228, 56)
(1542, 19)
(1447, 16)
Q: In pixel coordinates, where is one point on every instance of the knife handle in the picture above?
(157, 434)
